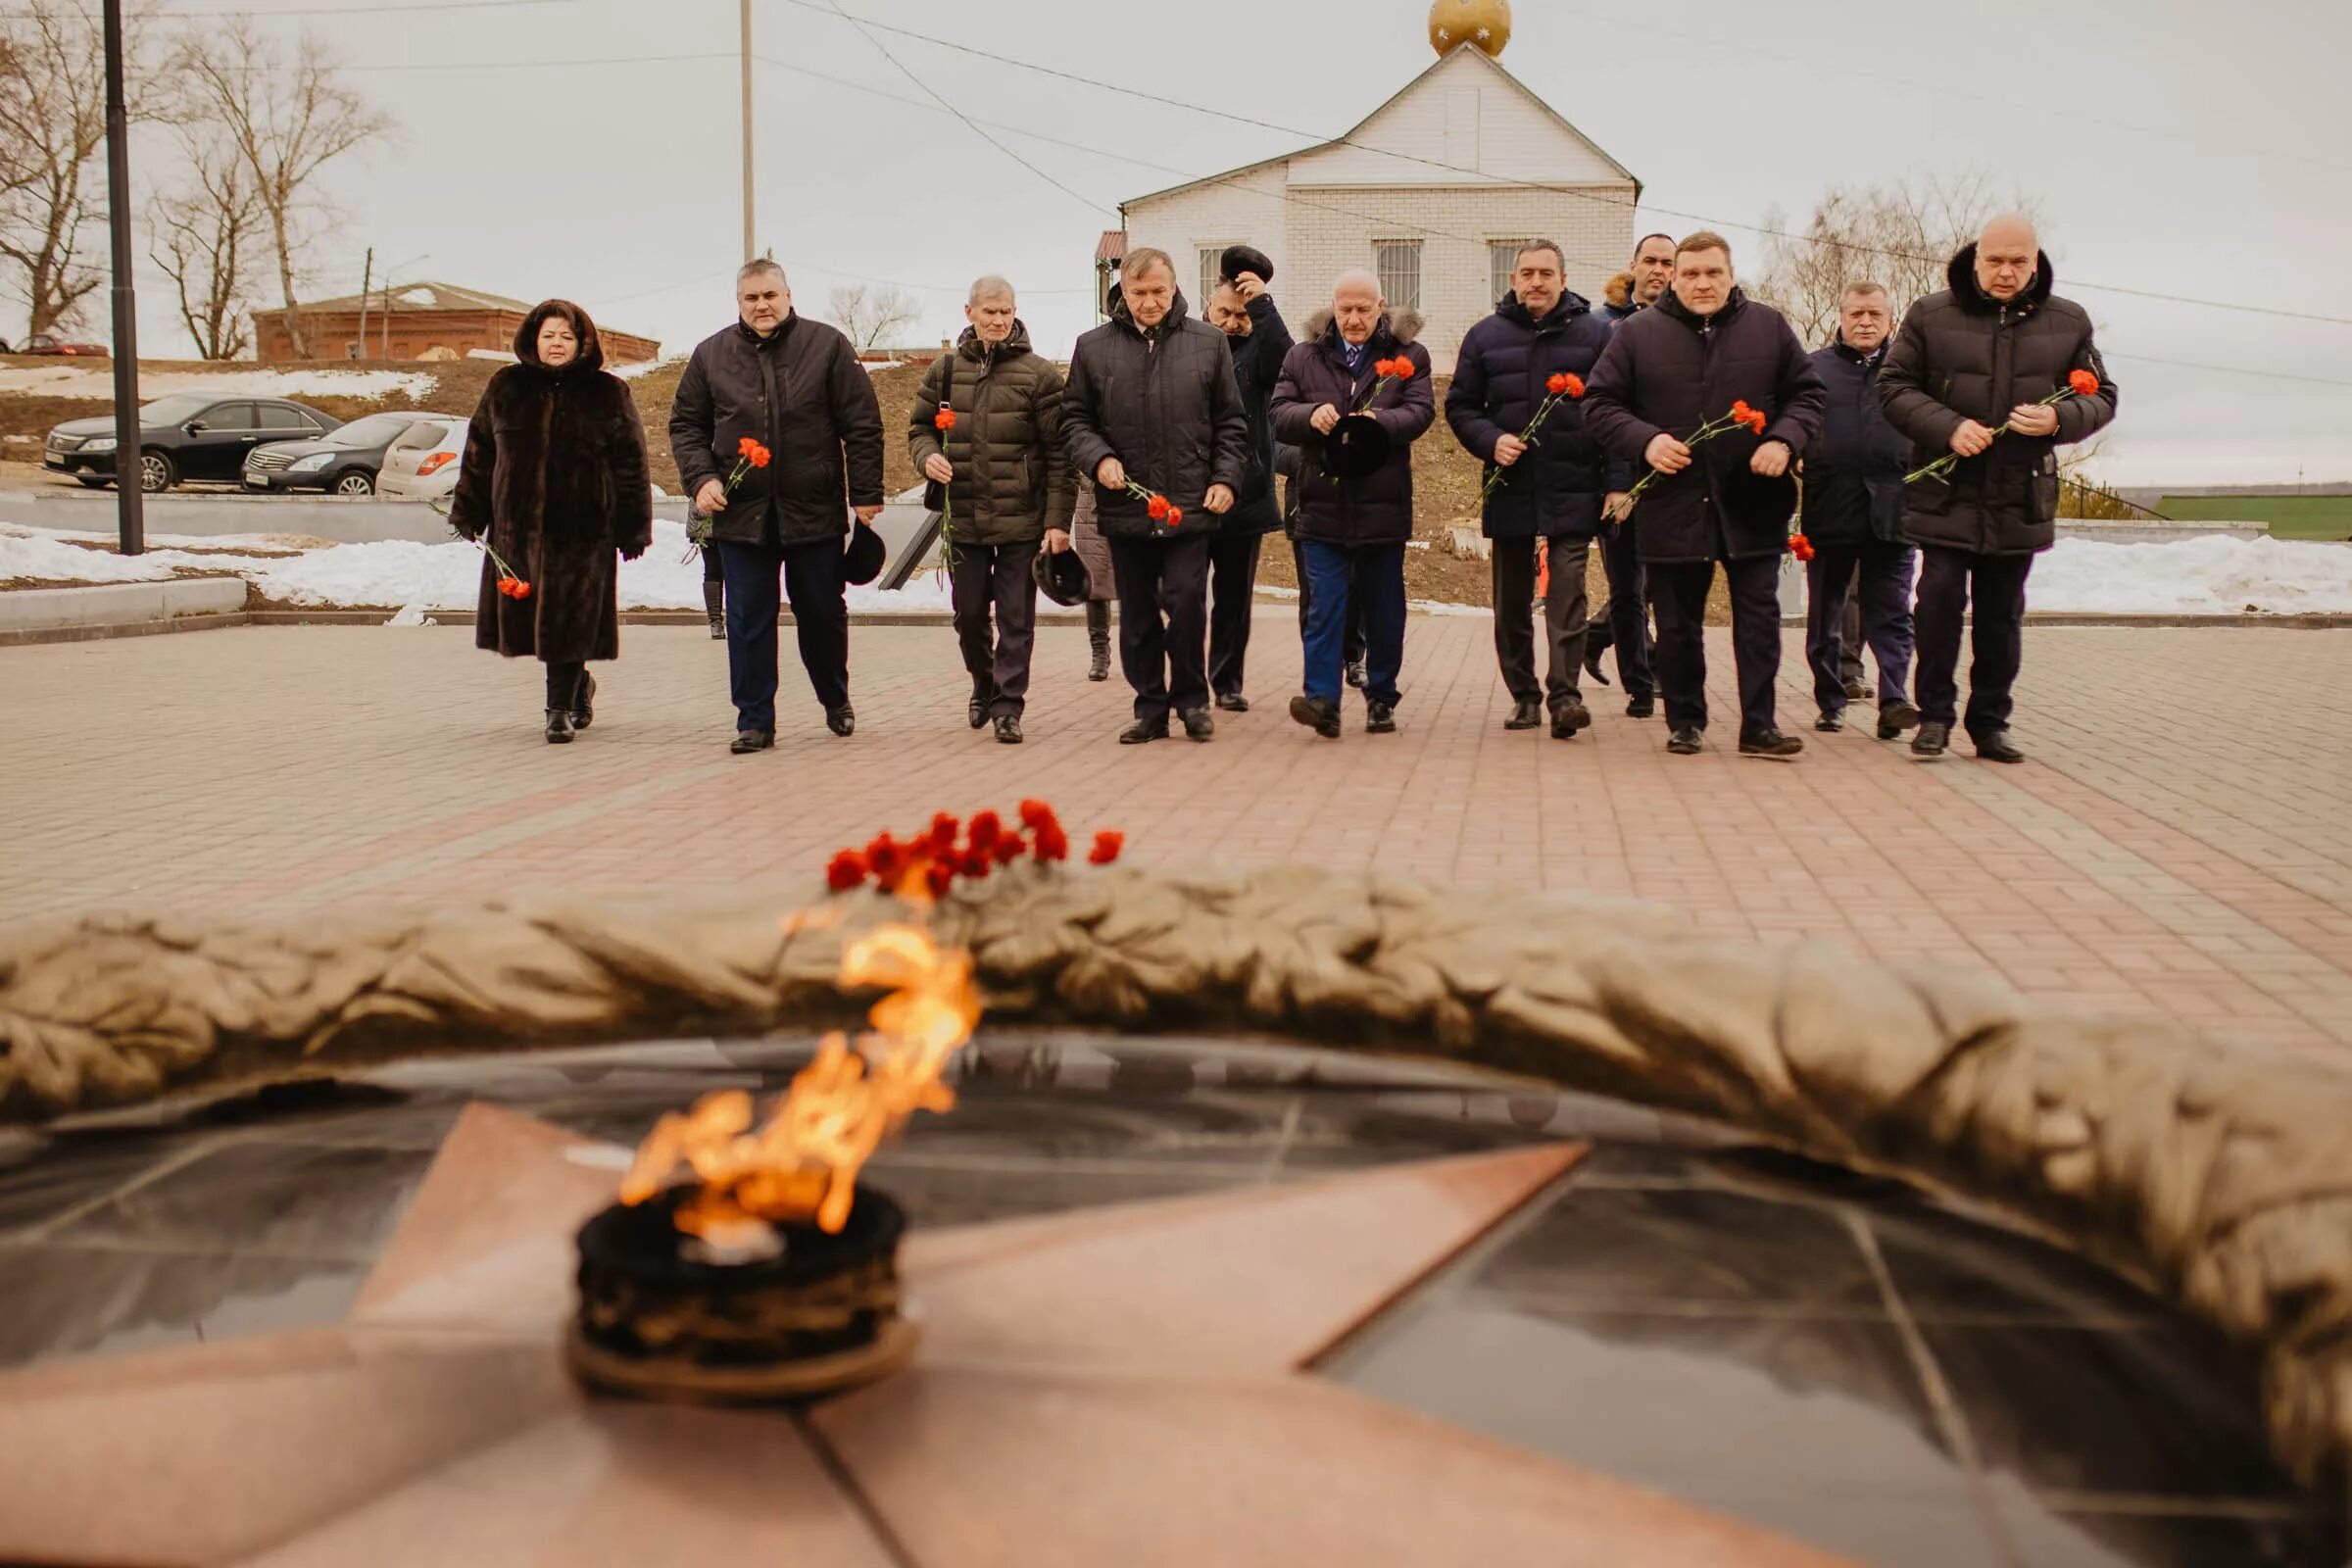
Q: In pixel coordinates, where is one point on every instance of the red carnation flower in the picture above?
(2082, 383)
(938, 877)
(944, 420)
(885, 858)
(1575, 387)
(983, 830)
(1107, 845)
(522, 590)
(975, 864)
(1175, 516)
(1052, 844)
(1156, 509)
(747, 446)
(944, 829)
(846, 870)
(1011, 848)
(1401, 369)
(758, 454)
(1036, 813)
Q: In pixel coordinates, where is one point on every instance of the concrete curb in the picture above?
(36, 614)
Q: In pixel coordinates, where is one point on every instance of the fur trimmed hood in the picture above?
(1403, 328)
(1619, 290)
(1961, 277)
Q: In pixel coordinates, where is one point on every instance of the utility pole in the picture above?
(130, 464)
(367, 280)
(751, 246)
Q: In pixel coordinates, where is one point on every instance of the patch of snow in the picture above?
(74, 381)
(411, 617)
(420, 296)
(502, 355)
(630, 372)
(2216, 575)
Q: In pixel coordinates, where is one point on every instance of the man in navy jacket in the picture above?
(1551, 486)
(1854, 517)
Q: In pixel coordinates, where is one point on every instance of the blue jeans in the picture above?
(1885, 595)
(1372, 575)
(812, 577)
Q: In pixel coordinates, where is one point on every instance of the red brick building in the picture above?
(420, 320)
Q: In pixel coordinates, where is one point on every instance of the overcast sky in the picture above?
(2175, 149)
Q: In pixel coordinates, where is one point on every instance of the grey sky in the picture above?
(2175, 149)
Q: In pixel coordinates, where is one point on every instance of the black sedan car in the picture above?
(189, 435)
(344, 461)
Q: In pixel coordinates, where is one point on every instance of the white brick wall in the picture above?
(1322, 233)
(1318, 215)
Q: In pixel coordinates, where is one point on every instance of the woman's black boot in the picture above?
(1097, 636)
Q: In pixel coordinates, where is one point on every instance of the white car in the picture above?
(422, 465)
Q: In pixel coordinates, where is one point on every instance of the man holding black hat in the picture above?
(1353, 397)
(987, 425)
(1242, 309)
(795, 387)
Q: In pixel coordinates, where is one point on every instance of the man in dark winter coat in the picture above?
(1703, 346)
(1153, 403)
(1009, 489)
(1628, 610)
(1355, 517)
(1260, 338)
(796, 387)
(1854, 517)
(1550, 486)
(1986, 351)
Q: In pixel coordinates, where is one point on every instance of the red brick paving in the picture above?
(2180, 844)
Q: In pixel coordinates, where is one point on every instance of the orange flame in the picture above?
(804, 1161)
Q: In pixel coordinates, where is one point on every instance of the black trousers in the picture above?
(1623, 623)
(1880, 606)
(1231, 589)
(1564, 618)
(1952, 581)
(1164, 622)
(1352, 644)
(1679, 593)
(811, 578)
(997, 577)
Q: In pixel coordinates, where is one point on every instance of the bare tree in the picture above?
(1901, 235)
(868, 317)
(205, 232)
(52, 128)
(285, 122)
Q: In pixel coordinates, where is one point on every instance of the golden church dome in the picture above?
(1484, 23)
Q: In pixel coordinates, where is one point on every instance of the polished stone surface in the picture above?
(1830, 1358)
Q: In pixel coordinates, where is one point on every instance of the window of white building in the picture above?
(1397, 263)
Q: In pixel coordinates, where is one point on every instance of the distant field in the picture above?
(2289, 517)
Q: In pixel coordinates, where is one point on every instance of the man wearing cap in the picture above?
(1242, 309)
(1353, 397)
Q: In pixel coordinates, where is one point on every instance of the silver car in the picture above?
(422, 465)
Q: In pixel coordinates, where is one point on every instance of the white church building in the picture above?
(1434, 191)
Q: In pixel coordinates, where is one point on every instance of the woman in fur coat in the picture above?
(553, 478)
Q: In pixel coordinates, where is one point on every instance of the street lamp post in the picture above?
(130, 499)
(751, 245)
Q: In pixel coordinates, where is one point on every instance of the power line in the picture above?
(971, 124)
(328, 11)
(1126, 92)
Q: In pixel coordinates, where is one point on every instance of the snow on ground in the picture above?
(2209, 576)
(630, 372)
(2215, 576)
(416, 577)
(78, 382)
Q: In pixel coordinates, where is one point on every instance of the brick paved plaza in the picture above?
(2182, 843)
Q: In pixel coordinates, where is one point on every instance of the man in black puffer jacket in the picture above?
(1854, 517)
(1681, 364)
(1353, 525)
(1245, 313)
(1969, 359)
(1009, 489)
(1552, 487)
(1152, 402)
(796, 387)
